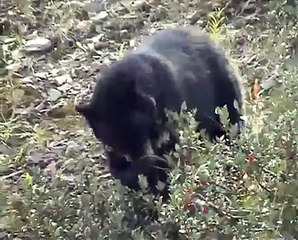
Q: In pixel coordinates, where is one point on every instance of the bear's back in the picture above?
(169, 44)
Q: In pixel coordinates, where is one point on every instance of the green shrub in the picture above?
(247, 191)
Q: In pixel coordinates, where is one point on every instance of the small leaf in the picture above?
(28, 179)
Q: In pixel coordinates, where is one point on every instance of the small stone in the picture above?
(84, 26)
(93, 6)
(55, 72)
(65, 87)
(38, 45)
(66, 78)
(27, 80)
(3, 235)
(41, 157)
(100, 18)
(54, 95)
(72, 148)
(41, 75)
(5, 150)
(95, 66)
(132, 43)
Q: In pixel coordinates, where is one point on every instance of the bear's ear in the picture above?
(85, 110)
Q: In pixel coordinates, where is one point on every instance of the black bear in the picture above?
(128, 107)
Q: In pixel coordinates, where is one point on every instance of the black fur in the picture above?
(127, 109)
(153, 167)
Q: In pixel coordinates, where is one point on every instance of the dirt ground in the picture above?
(74, 43)
(58, 50)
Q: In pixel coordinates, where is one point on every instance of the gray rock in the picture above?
(66, 78)
(100, 17)
(38, 45)
(54, 95)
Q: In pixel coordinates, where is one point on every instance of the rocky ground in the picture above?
(63, 47)
(51, 61)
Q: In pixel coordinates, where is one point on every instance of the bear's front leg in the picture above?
(156, 170)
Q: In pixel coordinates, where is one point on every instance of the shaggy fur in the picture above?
(127, 109)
